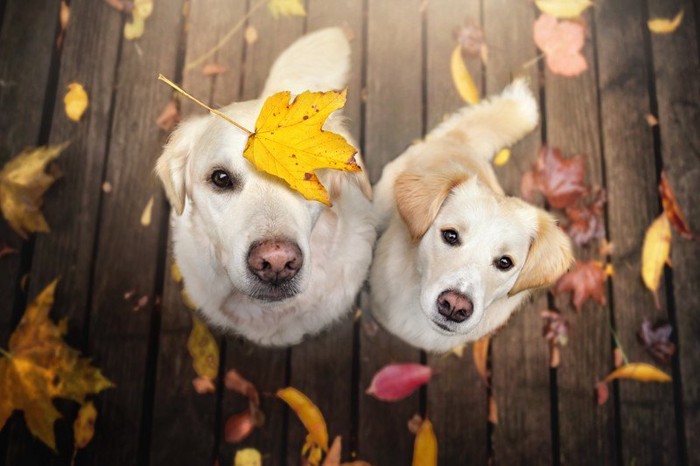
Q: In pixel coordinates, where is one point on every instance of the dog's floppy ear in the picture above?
(170, 166)
(419, 196)
(548, 258)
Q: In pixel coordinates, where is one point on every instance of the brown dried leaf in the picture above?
(480, 353)
(169, 117)
(238, 427)
(470, 38)
(657, 340)
(493, 410)
(672, 210)
(585, 282)
(237, 383)
(586, 221)
(213, 69)
(414, 423)
(561, 180)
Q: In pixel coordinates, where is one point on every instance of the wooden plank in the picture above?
(519, 356)
(676, 67)
(646, 410)
(193, 423)
(266, 368)
(461, 423)
(393, 119)
(572, 125)
(67, 250)
(329, 357)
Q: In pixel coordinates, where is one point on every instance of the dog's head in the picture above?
(258, 229)
(475, 247)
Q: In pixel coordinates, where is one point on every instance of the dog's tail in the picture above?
(319, 61)
(491, 125)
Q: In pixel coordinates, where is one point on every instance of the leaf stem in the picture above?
(5, 353)
(199, 102)
(531, 62)
(619, 345)
(199, 60)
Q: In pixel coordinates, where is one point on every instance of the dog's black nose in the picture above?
(455, 306)
(275, 261)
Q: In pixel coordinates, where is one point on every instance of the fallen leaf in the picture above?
(120, 5)
(463, 81)
(602, 393)
(237, 383)
(333, 457)
(618, 357)
(657, 340)
(311, 417)
(493, 410)
(286, 8)
(638, 371)
(470, 38)
(107, 187)
(425, 449)
(397, 381)
(23, 182)
(459, 351)
(480, 352)
(528, 186)
(606, 248)
(289, 143)
(664, 25)
(40, 366)
(584, 282)
(6, 249)
(186, 300)
(203, 385)
(651, 119)
(672, 210)
(134, 29)
(146, 214)
(655, 254)
(250, 35)
(63, 19)
(75, 101)
(169, 117)
(84, 425)
(247, 457)
(560, 179)
(414, 423)
(203, 349)
(563, 8)
(502, 157)
(586, 220)
(238, 427)
(175, 273)
(212, 69)
(561, 43)
(556, 332)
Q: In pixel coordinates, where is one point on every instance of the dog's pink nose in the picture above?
(275, 261)
(455, 306)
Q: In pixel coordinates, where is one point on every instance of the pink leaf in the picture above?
(561, 43)
(396, 381)
(238, 427)
(602, 393)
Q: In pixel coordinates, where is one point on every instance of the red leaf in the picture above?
(561, 43)
(203, 385)
(558, 178)
(673, 212)
(585, 282)
(238, 427)
(396, 381)
(235, 381)
(586, 221)
(169, 116)
(602, 393)
(657, 340)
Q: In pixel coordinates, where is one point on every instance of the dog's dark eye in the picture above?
(504, 263)
(222, 179)
(450, 237)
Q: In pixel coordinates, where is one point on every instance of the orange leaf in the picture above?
(672, 210)
(425, 446)
(333, 457)
(480, 352)
(638, 371)
(309, 415)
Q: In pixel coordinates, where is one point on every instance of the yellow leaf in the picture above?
(638, 371)
(664, 25)
(480, 353)
(175, 273)
(75, 101)
(142, 9)
(462, 79)
(563, 8)
(502, 157)
(425, 447)
(655, 252)
(313, 420)
(289, 143)
(286, 8)
(146, 214)
(187, 301)
(40, 366)
(84, 425)
(134, 29)
(204, 350)
(23, 181)
(247, 457)
(459, 350)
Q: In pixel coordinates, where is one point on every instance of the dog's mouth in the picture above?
(441, 327)
(271, 292)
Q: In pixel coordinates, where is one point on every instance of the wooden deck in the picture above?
(401, 65)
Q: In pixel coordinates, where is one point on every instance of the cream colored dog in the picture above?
(457, 256)
(256, 257)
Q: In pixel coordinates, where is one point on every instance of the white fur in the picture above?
(212, 236)
(408, 273)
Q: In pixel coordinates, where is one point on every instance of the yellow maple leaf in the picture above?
(312, 418)
(84, 425)
(563, 8)
(204, 350)
(463, 81)
(664, 25)
(425, 446)
(23, 181)
(40, 366)
(289, 143)
(286, 8)
(75, 101)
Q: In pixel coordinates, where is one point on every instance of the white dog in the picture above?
(256, 257)
(457, 256)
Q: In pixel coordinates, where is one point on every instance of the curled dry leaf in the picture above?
(237, 383)
(147, 212)
(463, 81)
(84, 425)
(75, 101)
(470, 38)
(638, 371)
(286, 8)
(397, 381)
(480, 352)
(203, 385)
(238, 427)
(23, 182)
(664, 25)
(602, 393)
(203, 349)
(561, 43)
(247, 457)
(618, 357)
(169, 117)
(311, 417)
(657, 340)
(213, 69)
(586, 221)
(425, 450)
(655, 254)
(493, 410)
(672, 210)
(563, 8)
(584, 282)
(333, 457)
(559, 179)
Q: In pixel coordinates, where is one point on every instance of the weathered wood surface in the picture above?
(400, 87)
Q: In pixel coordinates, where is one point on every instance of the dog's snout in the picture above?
(275, 261)
(454, 306)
